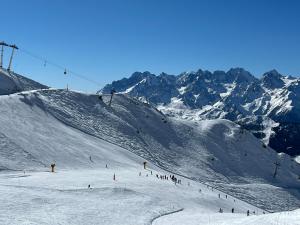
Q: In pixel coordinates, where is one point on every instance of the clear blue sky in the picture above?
(108, 40)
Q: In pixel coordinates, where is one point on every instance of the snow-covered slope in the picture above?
(269, 107)
(11, 82)
(65, 127)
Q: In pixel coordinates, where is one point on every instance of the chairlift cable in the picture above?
(66, 71)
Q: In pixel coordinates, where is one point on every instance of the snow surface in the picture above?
(11, 82)
(81, 135)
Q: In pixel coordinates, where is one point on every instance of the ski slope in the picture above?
(64, 198)
(81, 135)
(43, 128)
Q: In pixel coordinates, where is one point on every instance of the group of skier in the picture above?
(176, 181)
(171, 177)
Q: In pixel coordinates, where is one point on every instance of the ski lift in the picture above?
(113, 91)
(65, 72)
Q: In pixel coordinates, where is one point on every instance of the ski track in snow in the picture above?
(165, 214)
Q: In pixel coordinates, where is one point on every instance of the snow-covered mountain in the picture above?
(11, 82)
(45, 126)
(93, 143)
(269, 107)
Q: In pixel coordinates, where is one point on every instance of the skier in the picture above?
(145, 163)
(232, 210)
(89, 186)
(114, 177)
(220, 210)
(248, 212)
(219, 195)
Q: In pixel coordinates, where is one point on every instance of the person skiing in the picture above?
(248, 212)
(232, 210)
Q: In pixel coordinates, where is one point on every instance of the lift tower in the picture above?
(2, 44)
(12, 54)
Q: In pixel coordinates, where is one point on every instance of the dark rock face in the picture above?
(269, 106)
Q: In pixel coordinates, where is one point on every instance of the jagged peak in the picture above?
(141, 74)
(273, 73)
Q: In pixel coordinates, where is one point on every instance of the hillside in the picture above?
(41, 127)
(11, 82)
(268, 107)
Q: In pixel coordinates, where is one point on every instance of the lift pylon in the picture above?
(2, 44)
(12, 54)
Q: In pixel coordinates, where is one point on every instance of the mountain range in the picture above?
(269, 106)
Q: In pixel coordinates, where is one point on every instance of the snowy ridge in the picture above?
(11, 82)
